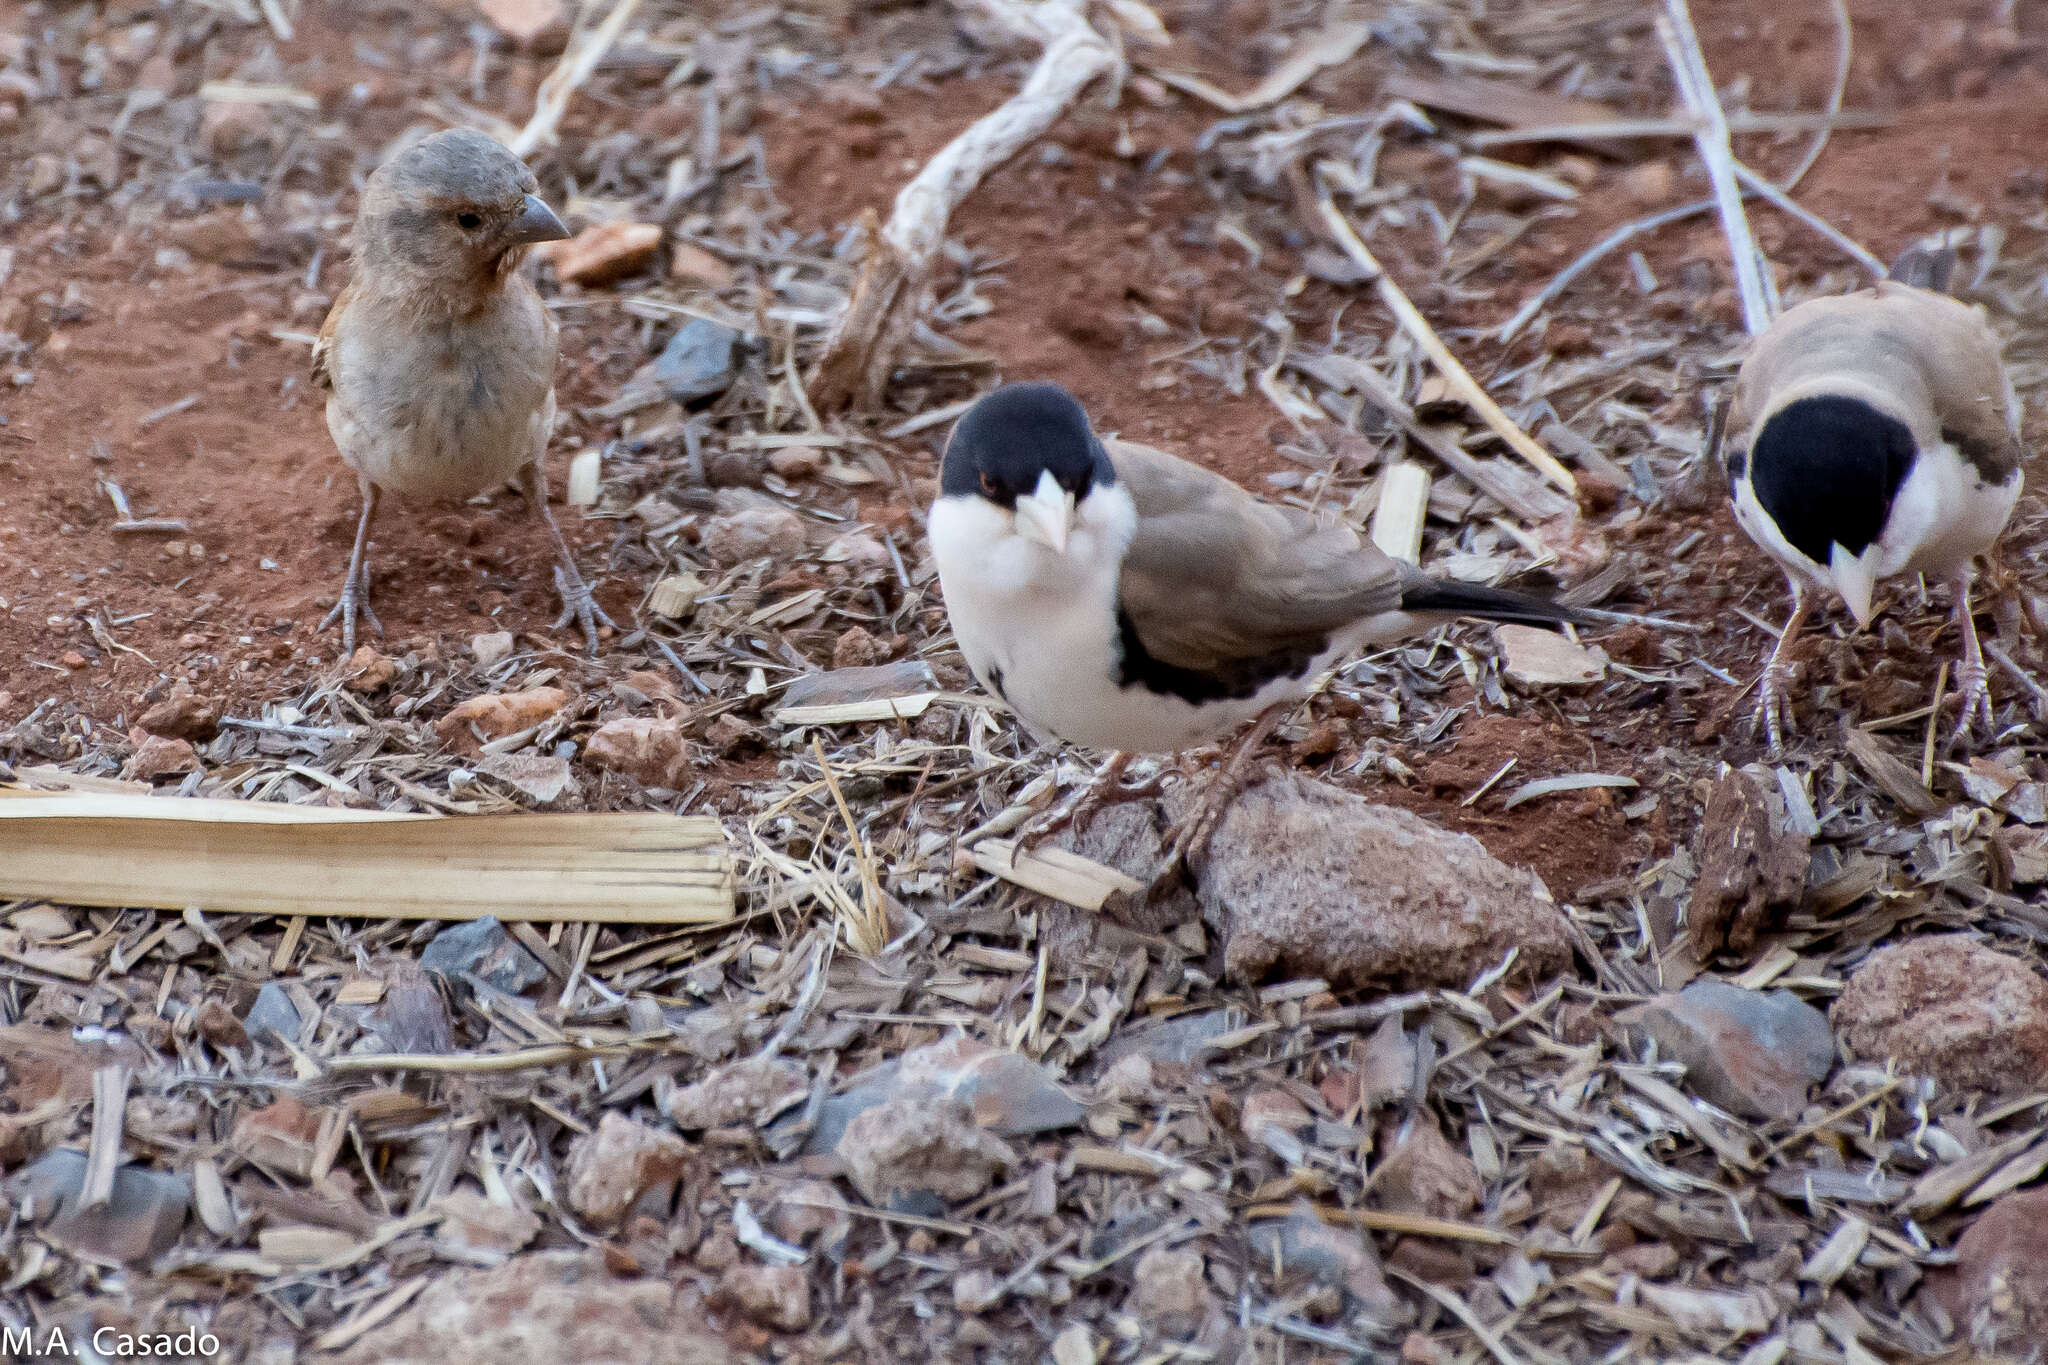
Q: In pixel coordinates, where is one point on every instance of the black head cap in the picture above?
(1826, 468)
(1007, 440)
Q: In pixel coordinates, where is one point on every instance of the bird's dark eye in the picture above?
(469, 222)
(988, 485)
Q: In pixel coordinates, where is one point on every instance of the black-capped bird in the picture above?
(439, 355)
(1117, 597)
(1870, 435)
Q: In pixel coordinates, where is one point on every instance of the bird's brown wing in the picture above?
(323, 345)
(1214, 578)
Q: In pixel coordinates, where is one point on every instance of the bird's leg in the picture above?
(1972, 682)
(1199, 825)
(355, 588)
(579, 604)
(1773, 706)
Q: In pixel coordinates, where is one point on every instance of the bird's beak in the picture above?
(536, 223)
(1046, 513)
(1856, 582)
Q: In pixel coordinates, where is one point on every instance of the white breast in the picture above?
(1040, 629)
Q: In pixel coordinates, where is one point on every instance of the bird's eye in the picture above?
(988, 485)
(469, 222)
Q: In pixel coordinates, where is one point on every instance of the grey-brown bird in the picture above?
(1870, 435)
(439, 355)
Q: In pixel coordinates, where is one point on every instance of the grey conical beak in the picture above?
(536, 223)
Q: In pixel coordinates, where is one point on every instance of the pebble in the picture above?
(910, 1147)
(745, 1092)
(650, 750)
(1543, 658)
(538, 24)
(182, 714)
(611, 1170)
(1749, 1053)
(1170, 1293)
(1951, 1008)
(482, 947)
(1311, 881)
(700, 361)
(752, 533)
(1311, 1250)
(273, 1017)
(490, 648)
(1423, 1173)
(142, 1219)
(471, 1221)
(694, 265)
(495, 715)
(775, 1296)
(155, 757)
(367, 670)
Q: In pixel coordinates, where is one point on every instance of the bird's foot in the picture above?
(579, 604)
(353, 603)
(1105, 788)
(1774, 705)
(1973, 687)
(1195, 829)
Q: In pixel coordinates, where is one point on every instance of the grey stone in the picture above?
(1750, 1053)
(141, 1221)
(273, 1017)
(1311, 1250)
(908, 1151)
(1003, 1092)
(700, 361)
(1311, 881)
(1182, 1038)
(482, 947)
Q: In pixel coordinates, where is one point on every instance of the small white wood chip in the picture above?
(585, 470)
(1570, 782)
(1835, 1258)
(675, 597)
(1053, 872)
(1404, 504)
(1543, 658)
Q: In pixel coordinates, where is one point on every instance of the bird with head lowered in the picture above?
(1871, 435)
(1118, 597)
(439, 357)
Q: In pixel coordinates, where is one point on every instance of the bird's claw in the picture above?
(1774, 706)
(353, 603)
(1974, 688)
(579, 604)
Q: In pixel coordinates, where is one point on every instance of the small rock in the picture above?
(611, 1170)
(805, 1210)
(602, 254)
(156, 757)
(495, 715)
(728, 734)
(856, 647)
(412, 1016)
(543, 1308)
(491, 647)
(1169, 1294)
(1951, 1008)
(1650, 184)
(217, 1025)
(1182, 1039)
(541, 778)
(745, 1092)
(907, 1147)
(675, 597)
(1750, 1053)
(857, 548)
(1276, 1120)
(796, 462)
(1310, 1249)
(539, 24)
(694, 265)
(2002, 1273)
(482, 947)
(1316, 882)
(1075, 1345)
(1423, 1173)
(838, 686)
(648, 749)
(367, 670)
(752, 533)
(1536, 657)
(474, 1223)
(273, 1018)
(700, 361)
(141, 1221)
(282, 1136)
(775, 1296)
(182, 714)
(1005, 1092)
(1752, 868)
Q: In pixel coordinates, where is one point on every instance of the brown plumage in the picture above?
(439, 356)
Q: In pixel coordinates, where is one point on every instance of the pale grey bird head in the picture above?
(454, 207)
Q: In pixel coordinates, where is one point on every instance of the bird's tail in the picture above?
(1426, 596)
(1924, 266)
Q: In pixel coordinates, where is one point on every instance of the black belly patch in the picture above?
(1826, 470)
(1234, 681)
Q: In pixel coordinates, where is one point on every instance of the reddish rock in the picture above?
(156, 757)
(602, 254)
(653, 750)
(1423, 1173)
(182, 714)
(497, 714)
(744, 1092)
(910, 1146)
(283, 1136)
(1169, 1293)
(611, 1170)
(367, 670)
(1951, 1008)
(752, 533)
(2002, 1273)
(777, 1296)
(1749, 1053)
(546, 1308)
